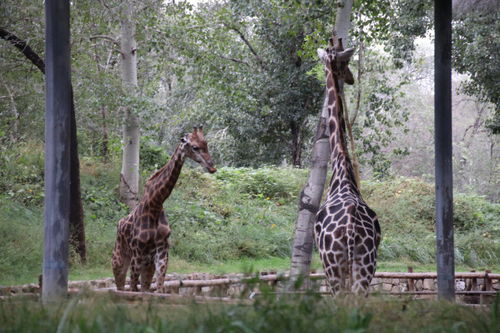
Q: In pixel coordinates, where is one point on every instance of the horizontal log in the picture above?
(423, 292)
(140, 296)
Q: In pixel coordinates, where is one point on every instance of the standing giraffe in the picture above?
(142, 236)
(347, 231)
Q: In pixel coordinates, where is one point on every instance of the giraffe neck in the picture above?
(343, 173)
(160, 185)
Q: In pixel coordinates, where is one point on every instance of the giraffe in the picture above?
(347, 231)
(142, 236)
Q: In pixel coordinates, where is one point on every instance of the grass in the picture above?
(309, 313)
(232, 220)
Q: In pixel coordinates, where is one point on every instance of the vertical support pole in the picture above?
(57, 150)
(411, 282)
(443, 150)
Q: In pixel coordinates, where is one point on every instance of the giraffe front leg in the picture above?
(135, 272)
(147, 276)
(161, 268)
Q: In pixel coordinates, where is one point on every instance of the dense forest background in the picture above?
(247, 70)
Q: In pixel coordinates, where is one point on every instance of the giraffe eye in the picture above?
(195, 148)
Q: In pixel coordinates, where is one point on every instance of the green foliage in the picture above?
(216, 218)
(250, 80)
(22, 172)
(239, 214)
(408, 205)
(21, 234)
(476, 44)
(264, 183)
(152, 156)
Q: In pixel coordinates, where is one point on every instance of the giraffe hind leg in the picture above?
(120, 263)
(161, 268)
(335, 279)
(362, 275)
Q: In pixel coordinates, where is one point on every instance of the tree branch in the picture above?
(22, 46)
(108, 38)
(234, 60)
(247, 43)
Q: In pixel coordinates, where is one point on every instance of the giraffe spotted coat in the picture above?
(142, 236)
(347, 231)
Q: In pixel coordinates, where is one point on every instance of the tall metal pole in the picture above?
(443, 150)
(57, 150)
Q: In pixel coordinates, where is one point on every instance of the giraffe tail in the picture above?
(350, 254)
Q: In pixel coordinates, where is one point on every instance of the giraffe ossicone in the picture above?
(347, 231)
(142, 236)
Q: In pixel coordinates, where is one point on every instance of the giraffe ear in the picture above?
(321, 54)
(349, 78)
(345, 55)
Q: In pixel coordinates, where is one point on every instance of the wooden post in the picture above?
(487, 280)
(486, 286)
(57, 150)
(468, 282)
(411, 283)
(443, 150)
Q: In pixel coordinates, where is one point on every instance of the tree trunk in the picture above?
(309, 201)
(296, 144)
(77, 227)
(105, 135)
(310, 197)
(129, 178)
(104, 142)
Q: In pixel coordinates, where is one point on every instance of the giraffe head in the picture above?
(196, 148)
(336, 60)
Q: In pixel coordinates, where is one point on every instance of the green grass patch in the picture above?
(233, 219)
(309, 313)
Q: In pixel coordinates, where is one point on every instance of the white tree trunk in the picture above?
(343, 20)
(310, 197)
(129, 179)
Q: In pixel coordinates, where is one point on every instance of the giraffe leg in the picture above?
(363, 273)
(161, 268)
(120, 263)
(162, 246)
(147, 276)
(335, 278)
(135, 272)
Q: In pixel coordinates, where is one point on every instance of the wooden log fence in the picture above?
(203, 284)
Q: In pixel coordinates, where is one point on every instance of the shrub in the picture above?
(266, 182)
(152, 156)
(22, 173)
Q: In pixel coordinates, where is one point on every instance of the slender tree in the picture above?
(310, 196)
(129, 178)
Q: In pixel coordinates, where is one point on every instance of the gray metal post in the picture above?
(443, 150)
(57, 150)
